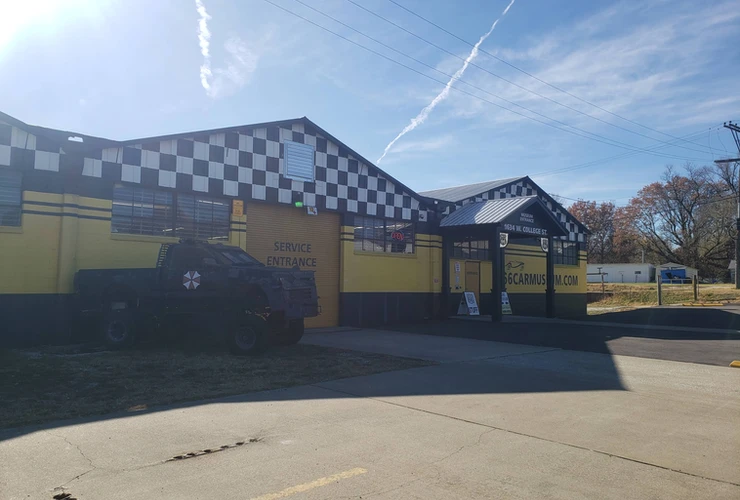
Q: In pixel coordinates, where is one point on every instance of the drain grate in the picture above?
(208, 451)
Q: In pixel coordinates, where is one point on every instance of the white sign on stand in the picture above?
(505, 304)
(468, 305)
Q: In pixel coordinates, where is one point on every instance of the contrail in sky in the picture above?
(424, 113)
(204, 39)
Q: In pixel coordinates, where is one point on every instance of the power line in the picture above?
(720, 141)
(605, 160)
(627, 218)
(460, 79)
(596, 137)
(513, 83)
(537, 78)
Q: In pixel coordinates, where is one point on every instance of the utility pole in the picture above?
(735, 131)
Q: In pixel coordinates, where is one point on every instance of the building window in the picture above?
(202, 218)
(142, 211)
(474, 250)
(161, 213)
(565, 252)
(378, 235)
(10, 197)
(298, 161)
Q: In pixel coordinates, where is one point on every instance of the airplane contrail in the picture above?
(204, 39)
(424, 113)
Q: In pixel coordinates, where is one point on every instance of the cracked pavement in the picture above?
(491, 420)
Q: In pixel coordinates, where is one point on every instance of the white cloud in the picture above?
(647, 61)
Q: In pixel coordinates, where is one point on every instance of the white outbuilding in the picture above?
(620, 273)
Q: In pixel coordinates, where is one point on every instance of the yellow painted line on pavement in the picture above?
(313, 484)
(735, 364)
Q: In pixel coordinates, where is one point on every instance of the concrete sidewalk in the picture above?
(409, 345)
(493, 420)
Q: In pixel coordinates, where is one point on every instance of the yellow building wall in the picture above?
(29, 254)
(388, 272)
(43, 255)
(525, 269)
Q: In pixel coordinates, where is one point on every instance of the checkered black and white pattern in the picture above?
(246, 163)
(20, 149)
(523, 188)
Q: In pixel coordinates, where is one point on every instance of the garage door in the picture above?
(283, 236)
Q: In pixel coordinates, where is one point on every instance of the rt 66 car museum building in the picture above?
(290, 194)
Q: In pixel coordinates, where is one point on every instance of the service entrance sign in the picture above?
(468, 306)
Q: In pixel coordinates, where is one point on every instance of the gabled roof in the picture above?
(486, 212)
(460, 193)
(89, 142)
(61, 137)
(498, 211)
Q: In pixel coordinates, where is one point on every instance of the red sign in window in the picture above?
(397, 235)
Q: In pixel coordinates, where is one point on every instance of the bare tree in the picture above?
(599, 219)
(676, 221)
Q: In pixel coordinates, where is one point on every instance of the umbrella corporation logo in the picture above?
(515, 275)
(191, 280)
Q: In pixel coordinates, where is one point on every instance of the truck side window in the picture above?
(190, 258)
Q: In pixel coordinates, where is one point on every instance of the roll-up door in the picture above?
(284, 236)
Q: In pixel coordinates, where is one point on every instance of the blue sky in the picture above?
(132, 68)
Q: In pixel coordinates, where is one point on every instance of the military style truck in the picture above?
(251, 304)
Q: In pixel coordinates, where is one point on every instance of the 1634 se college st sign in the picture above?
(527, 222)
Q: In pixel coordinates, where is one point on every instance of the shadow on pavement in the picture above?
(499, 369)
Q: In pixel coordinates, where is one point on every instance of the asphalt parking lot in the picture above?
(708, 344)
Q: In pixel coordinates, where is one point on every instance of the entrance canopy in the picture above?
(522, 215)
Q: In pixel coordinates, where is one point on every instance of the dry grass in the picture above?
(64, 382)
(619, 294)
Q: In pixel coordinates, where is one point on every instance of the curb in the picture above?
(735, 364)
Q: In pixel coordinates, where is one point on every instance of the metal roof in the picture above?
(487, 212)
(460, 193)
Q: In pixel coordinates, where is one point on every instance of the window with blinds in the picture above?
(10, 197)
(150, 212)
(202, 218)
(142, 211)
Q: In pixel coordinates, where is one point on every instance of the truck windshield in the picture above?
(237, 257)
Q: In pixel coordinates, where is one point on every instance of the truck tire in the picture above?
(292, 334)
(248, 335)
(119, 329)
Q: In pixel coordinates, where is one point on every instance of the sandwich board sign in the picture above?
(468, 305)
(505, 304)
